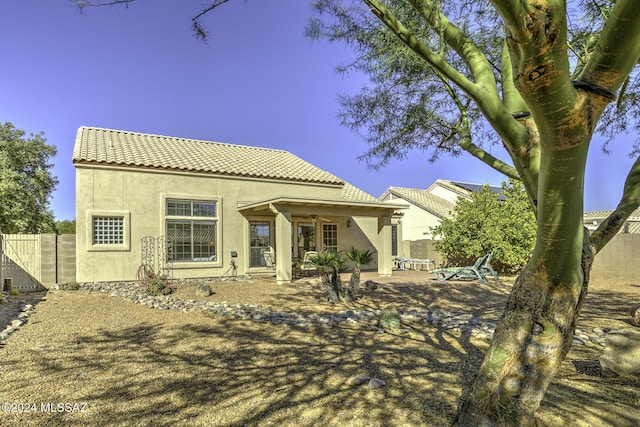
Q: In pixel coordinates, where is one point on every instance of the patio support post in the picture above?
(283, 247)
(384, 246)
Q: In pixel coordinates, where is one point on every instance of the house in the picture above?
(428, 207)
(411, 228)
(594, 218)
(198, 209)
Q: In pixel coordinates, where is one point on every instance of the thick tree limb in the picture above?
(460, 42)
(629, 202)
(609, 65)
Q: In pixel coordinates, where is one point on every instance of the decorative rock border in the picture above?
(460, 322)
(24, 311)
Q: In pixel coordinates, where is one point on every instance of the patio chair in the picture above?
(486, 269)
(268, 259)
(307, 266)
(477, 271)
(400, 262)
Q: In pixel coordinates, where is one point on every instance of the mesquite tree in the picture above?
(26, 181)
(453, 76)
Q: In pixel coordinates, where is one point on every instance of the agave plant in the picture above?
(359, 257)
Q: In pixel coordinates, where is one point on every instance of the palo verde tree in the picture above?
(540, 78)
(26, 181)
(502, 224)
(445, 76)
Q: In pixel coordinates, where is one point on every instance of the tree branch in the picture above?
(432, 58)
(629, 202)
(608, 66)
(81, 4)
(460, 42)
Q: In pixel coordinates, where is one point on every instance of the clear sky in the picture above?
(259, 81)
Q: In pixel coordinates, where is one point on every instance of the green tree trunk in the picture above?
(536, 329)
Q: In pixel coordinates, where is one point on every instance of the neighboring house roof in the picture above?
(475, 187)
(596, 215)
(463, 189)
(122, 148)
(424, 200)
(632, 224)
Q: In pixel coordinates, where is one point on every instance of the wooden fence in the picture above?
(32, 262)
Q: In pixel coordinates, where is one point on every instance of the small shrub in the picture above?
(389, 320)
(14, 292)
(71, 286)
(1, 299)
(158, 285)
(154, 284)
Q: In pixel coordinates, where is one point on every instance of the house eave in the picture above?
(281, 203)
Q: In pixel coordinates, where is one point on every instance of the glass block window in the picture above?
(330, 237)
(192, 230)
(108, 230)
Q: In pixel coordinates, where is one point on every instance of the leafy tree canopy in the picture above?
(26, 181)
(505, 226)
(66, 226)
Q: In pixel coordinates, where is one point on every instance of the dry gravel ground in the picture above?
(126, 364)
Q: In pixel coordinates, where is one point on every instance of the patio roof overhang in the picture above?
(305, 206)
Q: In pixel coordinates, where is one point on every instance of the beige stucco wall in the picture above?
(140, 195)
(415, 221)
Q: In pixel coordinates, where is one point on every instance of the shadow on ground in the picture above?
(138, 366)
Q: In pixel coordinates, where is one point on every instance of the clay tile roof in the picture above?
(425, 200)
(354, 194)
(122, 148)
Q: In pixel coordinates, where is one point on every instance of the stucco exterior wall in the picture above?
(416, 222)
(140, 196)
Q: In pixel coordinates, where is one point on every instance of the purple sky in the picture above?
(258, 82)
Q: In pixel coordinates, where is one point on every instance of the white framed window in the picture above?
(108, 231)
(259, 242)
(330, 237)
(191, 227)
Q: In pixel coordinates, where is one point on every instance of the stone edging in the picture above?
(455, 321)
(24, 311)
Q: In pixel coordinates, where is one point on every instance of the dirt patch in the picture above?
(132, 365)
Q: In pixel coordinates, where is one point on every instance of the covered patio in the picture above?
(308, 224)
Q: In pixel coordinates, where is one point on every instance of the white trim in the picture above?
(126, 230)
(217, 219)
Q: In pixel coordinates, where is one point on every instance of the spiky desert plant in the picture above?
(326, 262)
(358, 257)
